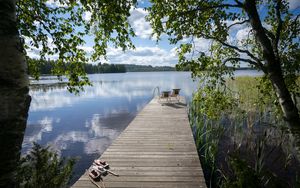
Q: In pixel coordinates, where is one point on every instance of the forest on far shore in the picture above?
(46, 66)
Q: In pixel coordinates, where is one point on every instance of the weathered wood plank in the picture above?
(157, 149)
(147, 178)
(85, 184)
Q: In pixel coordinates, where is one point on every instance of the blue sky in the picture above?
(147, 51)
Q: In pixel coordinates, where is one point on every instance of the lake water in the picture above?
(84, 126)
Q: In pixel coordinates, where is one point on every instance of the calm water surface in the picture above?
(84, 126)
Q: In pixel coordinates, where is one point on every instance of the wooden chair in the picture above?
(165, 95)
(175, 94)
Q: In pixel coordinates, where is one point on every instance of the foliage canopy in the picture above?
(59, 29)
(271, 43)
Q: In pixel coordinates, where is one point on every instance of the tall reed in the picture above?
(247, 145)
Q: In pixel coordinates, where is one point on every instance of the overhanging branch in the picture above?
(238, 2)
(256, 60)
(240, 59)
(238, 49)
(251, 62)
(293, 25)
(279, 27)
(238, 23)
(269, 34)
(223, 6)
(206, 8)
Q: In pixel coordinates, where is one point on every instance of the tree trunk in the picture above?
(14, 97)
(287, 105)
(273, 66)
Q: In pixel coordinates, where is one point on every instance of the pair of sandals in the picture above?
(98, 170)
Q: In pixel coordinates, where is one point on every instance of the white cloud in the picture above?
(46, 123)
(96, 133)
(145, 55)
(202, 44)
(141, 27)
(51, 100)
(242, 34)
(87, 16)
(34, 52)
(36, 130)
(293, 4)
(55, 3)
(88, 49)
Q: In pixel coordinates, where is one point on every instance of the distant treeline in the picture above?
(45, 67)
(147, 68)
(104, 68)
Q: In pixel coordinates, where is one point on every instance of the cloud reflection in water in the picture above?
(87, 124)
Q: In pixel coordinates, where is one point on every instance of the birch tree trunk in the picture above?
(14, 96)
(273, 66)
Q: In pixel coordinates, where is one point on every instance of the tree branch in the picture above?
(238, 2)
(256, 60)
(256, 64)
(241, 59)
(293, 25)
(225, 6)
(269, 34)
(259, 31)
(238, 23)
(205, 8)
(238, 49)
(279, 27)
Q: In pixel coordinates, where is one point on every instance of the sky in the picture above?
(147, 51)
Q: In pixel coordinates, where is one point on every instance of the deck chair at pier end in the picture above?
(175, 94)
(165, 95)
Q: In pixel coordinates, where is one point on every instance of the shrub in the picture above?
(43, 168)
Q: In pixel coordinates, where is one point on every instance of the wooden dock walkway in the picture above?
(155, 150)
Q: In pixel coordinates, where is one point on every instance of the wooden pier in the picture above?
(155, 150)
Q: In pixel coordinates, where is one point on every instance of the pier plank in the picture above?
(157, 149)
